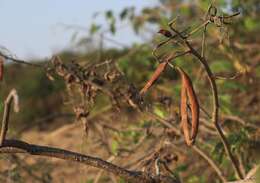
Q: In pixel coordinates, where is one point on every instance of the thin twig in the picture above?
(7, 108)
(19, 61)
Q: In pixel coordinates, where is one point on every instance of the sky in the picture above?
(33, 28)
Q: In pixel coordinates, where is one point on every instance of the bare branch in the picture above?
(17, 146)
(19, 61)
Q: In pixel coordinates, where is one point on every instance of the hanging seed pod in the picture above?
(1, 68)
(188, 91)
(165, 32)
(184, 115)
(154, 77)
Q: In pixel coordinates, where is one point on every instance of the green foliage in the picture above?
(121, 180)
(218, 152)
(111, 20)
(160, 112)
(225, 102)
(94, 28)
(1, 106)
(114, 147)
(90, 181)
(221, 65)
(238, 140)
(195, 179)
(251, 24)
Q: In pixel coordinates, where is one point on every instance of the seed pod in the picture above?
(1, 69)
(184, 115)
(154, 77)
(165, 32)
(187, 90)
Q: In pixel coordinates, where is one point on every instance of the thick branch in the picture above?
(16, 146)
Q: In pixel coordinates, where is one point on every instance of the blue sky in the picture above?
(32, 28)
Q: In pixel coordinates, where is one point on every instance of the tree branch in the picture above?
(17, 146)
(19, 61)
(215, 112)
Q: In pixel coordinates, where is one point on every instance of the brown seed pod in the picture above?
(154, 77)
(184, 115)
(188, 91)
(1, 69)
(165, 32)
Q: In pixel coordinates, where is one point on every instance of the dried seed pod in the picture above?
(165, 32)
(184, 115)
(154, 77)
(1, 69)
(188, 91)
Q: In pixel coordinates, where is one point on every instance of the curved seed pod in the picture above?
(184, 115)
(194, 108)
(187, 87)
(154, 77)
(1, 69)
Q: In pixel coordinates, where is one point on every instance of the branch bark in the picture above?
(17, 146)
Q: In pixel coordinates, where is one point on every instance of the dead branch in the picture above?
(17, 146)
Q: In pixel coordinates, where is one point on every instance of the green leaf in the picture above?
(225, 103)
(233, 85)
(109, 15)
(238, 139)
(114, 147)
(124, 13)
(112, 28)
(121, 180)
(1, 107)
(159, 112)
(257, 71)
(182, 168)
(221, 65)
(90, 181)
(94, 28)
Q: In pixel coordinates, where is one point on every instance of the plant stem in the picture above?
(215, 112)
